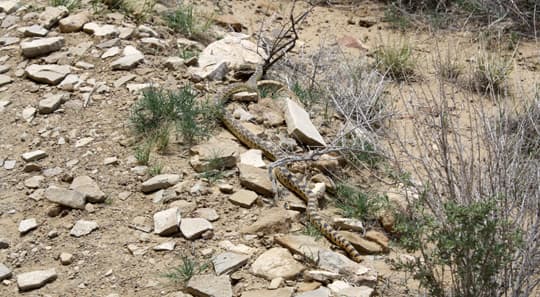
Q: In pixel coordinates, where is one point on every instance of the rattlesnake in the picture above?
(280, 172)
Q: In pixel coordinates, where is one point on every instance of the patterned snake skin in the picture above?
(281, 173)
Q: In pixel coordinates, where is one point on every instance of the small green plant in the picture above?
(311, 230)
(307, 96)
(184, 20)
(366, 154)
(69, 4)
(358, 204)
(215, 168)
(159, 110)
(142, 153)
(449, 67)
(161, 138)
(396, 60)
(491, 73)
(186, 270)
(471, 243)
(155, 169)
(187, 54)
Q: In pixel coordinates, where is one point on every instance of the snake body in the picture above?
(283, 175)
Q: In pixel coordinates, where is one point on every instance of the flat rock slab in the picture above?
(209, 286)
(166, 222)
(9, 6)
(52, 102)
(338, 263)
(243, 198)
(304, 245)
(320, 292)
(34, 155)
(166, 246)
(107, 30)
(228, 262)
(252, 157)
(89, 188)
(27, 225)
(130, 59)
(361, 244)
(5, 272)
(49, 73)
(209, 214)
(299, 125)
(276, 262)
(273, 220)
(51, 15)
(256, 179)
(74, 23)
(35, 31)
(159, 182)
(362, 291)
(193, 228)
(65, 197)
(83, 227)
(5, 79)
(282, 292)
(35, 279)
(214, 154)
(41, 46)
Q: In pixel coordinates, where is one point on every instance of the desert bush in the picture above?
(473, 217)
(185, 21)
(396, 59)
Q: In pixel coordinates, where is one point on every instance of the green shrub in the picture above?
(396, 60)
(69, 4)
(471, 244)
(186, 270)
(357, 204)
(184, 20)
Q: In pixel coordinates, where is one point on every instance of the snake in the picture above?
(282, 174)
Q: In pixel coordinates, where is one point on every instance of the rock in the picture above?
(321, 276)
(276, 262)
(211, 72)
(34, 155)
(362, 291)
(65, 197)
(348, 224)
(216, 154)
(361, 244)
(52, 103)
(27, 225)
(227, 263)
(378, 238)
(4, 80)
(104, 31)
(9, 164)
(34, 182)
(83, 141)
(174, 63)
(35, 31)
(113, 51)
(153, 45)
(141, 223)
(245, 97)
(299, 125)
(207, 213)
(28, 113)
(273, 220)
(89, 188)
(226, 188)
(256, 179)
(166, 222)
(233, 51)
(66, 258)
(276, 283)
(5, 272)
(238, 248)
(283, 292)
(51, 15)
(320, 292)
(209, 286)
(367, 21)
(338, 263)
(159, 182)
(4, 243)
(83, 227)
(35, 279)
(9, 21)
(84, 65)
(48, 73)
(252, 157)
(228, 21)
(243, 198)
(9, 6)
(74, 22)
(166, 246)
(351, 42)
(304, 245)
(193, 228)
(70, 83)
(130, 59)
(4, 69)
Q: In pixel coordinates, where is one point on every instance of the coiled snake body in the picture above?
(281, 173)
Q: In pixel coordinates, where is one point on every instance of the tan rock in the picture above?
(379, 238)
(273, 220)
(361, 244)
(300, 126)
(276, 262)
(74, 22)
(243, 198)
(256, 179)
